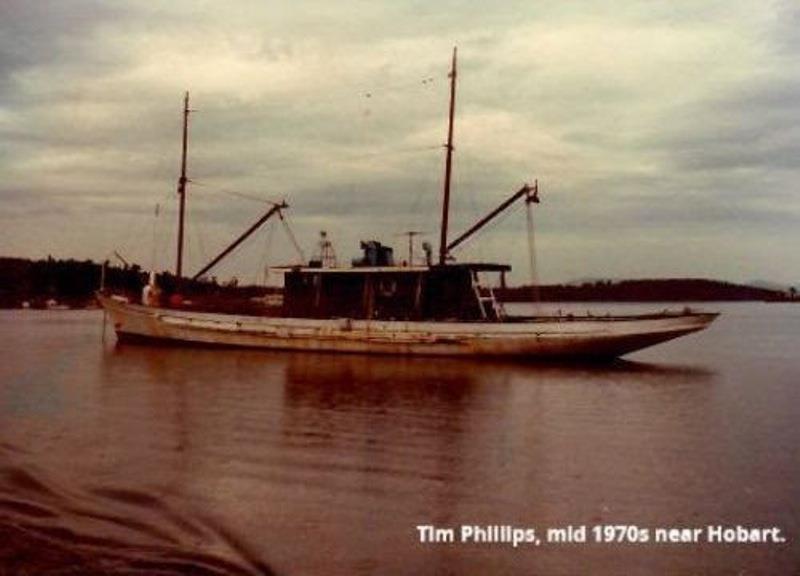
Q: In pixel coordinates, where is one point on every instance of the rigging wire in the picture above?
(291, 236)
(469, 193)
(235, 193)
(422, 84)
(376, 90)
(495, 223)
(266, 254)
(199, 232)
(135, 228)
(164, 247)
(418, 218)
(532, 256)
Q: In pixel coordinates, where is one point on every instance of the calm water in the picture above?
(137, 460)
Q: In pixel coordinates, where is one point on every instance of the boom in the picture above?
(531, 195)
(276, 208)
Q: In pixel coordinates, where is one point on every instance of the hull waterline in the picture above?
(540, 338)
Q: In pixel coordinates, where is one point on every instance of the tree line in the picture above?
(74, 282)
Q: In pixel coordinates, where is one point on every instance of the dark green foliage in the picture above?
(74, 283)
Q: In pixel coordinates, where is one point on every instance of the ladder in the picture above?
(490, 307)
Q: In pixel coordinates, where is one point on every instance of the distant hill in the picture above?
(647, 290)
(769, 285)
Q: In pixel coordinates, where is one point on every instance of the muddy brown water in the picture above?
(143, 460)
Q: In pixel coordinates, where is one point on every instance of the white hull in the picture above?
(564, 337)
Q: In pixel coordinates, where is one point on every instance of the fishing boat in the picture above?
(438, 308)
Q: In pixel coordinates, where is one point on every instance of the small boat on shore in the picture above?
(441, 308)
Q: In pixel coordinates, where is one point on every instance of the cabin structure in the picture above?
(376, 289)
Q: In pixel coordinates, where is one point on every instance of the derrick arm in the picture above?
(276, 208)
(531, 194)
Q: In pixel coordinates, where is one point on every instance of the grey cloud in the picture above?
(49, 32)
(756, 129)
(90, 97)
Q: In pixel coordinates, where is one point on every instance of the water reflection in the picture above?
(225, 461)
(329, 381)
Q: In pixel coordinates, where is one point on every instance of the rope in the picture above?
(199, 232)
(243, 195)
(134, 229)
(266, 258)
(291, 236)
(532, 255)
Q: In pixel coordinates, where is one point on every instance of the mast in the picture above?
(448, 166)
(182, 187)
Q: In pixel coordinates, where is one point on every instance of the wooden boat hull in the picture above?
(539, 338)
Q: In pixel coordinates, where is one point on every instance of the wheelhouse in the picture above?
(448, 292)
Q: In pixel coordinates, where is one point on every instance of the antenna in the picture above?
(327, 255)
(411, 234)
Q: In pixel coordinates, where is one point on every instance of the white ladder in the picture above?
(485, 295)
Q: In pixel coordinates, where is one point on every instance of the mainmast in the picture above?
(448, 164)
(182, 187)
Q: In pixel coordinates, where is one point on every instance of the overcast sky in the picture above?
(665, 136)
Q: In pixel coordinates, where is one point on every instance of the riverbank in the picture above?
(51, 283)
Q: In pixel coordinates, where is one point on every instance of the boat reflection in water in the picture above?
(243, 462)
